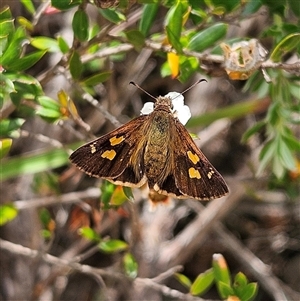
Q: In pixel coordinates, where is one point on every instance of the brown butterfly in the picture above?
(156, 149)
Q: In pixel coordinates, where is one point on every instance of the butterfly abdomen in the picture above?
(156, 153)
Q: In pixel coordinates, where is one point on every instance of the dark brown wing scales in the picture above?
(195, 176)
(109, 156)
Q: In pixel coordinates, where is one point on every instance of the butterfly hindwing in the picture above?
(109, 156)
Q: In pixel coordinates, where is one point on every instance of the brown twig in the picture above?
(16, 249)
(71, 197)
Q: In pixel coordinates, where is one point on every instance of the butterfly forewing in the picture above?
(195, 176)
(109, 157)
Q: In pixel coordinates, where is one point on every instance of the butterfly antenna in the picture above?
(193, 85)
(136, 85)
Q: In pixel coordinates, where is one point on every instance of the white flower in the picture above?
(147, 108)
(181, 111)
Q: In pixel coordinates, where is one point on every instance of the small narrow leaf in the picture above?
(7, 126)
(7, 213)
(27, 61)
(222, 275)
(128, 193)
(249, 292)
(253, 130)
(207, 37)
(184, 280)
(75, 65)
(80, 25)
(45, 43)
(285, 155)
(29, 6)
(112, 15)
(174, 21)
(130, 265)
(136, 38)
(224, 289)
(97, 79)
(65, 4)
(202, 283)
(63, 45)
(148, 17)
(89, 234)
(287, 44)
(266, 155)
(33, 163)
(5, 145)
(113, 245)
(118, 197)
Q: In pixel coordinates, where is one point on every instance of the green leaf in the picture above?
(207, 37)
(249, 292)
(97, 79)
(25, 23)
(136, 38)
(285, 155)
(251, 7)
(27, 61)
(7, 27)
(118, 197)
(232, 112)
(128, 193)
(202, 283)
(113, 246)
(65, 4)
(107, 190)
(277, 168)
(7, 126)
(253, 130)
(130, 265)
(224, 290)
(45, 217)
(266, 155)
(48, 103)
(174, 20)
(185, 281)
(292, 142)
(188, 66)
(221, 275)
(75, 65)
(45, 43)
(240, 280)
(5, 145)
(29, 6)
(295, 90)
(7, 213)
(6, 84)
(33, 163)
(287, 44)
(148, 17)
(89, 234)
(5, 13)
(80, 25)
(49, 114)
(14, 48)
(63, 45)
(112, 15)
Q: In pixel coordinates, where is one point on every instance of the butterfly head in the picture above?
(174, 102)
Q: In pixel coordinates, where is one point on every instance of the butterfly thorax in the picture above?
(157, 152)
